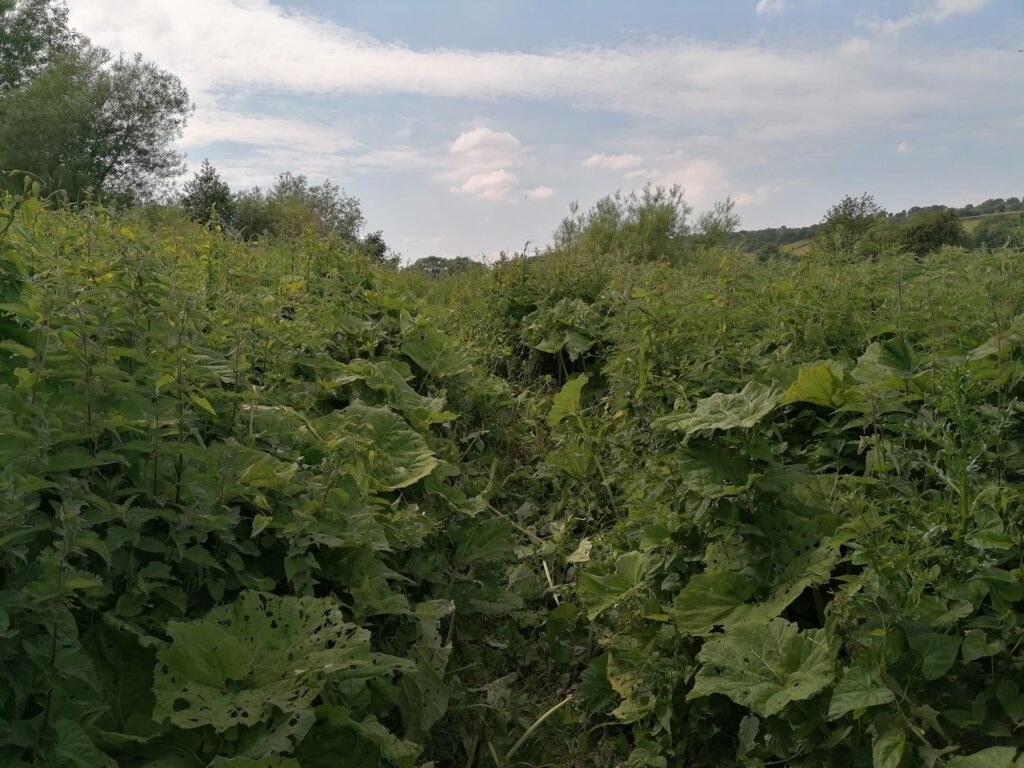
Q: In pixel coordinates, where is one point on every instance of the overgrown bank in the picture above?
(265, 505)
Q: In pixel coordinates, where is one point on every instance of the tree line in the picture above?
(89, 125)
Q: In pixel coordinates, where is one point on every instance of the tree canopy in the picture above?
(80, 118)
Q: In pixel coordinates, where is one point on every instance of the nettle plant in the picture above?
(236, 528)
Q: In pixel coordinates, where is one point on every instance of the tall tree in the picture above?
(91, 121)
(32, 33)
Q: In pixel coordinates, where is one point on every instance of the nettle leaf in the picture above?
(240, 661)
(938, 653)
(820, 384)
(599, 592)
(391, 453)
(743, 409)
(435, 353)
(567, 401)
(857, 691)
(993, 757)
(765, 666)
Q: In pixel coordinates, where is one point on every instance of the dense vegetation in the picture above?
(664, 494)
(906, 227)
(268, 504)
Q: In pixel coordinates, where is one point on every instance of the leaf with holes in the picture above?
(237, 664)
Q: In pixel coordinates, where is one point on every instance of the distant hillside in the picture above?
(794, 240)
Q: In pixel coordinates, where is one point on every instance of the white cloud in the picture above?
(613, 162)
(255, 44)
(855, 46)
(540, 193)
(210, 126)
(480, 161)
(705, 181)
(771, 6)
(904, 148)
(641, 173)
(702, 179)
(492, 185)
(483, 147)
(935, 12)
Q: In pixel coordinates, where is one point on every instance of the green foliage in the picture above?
(32, 34)
(206, 196)
(644, 226)
(291, 207)
(999, 232)
(88, 121)
(271, 505)
(927, 232)
(850, 228)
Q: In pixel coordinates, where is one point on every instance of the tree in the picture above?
(295, 204)
(292, 206)
(32, 34)
(927, 232)
(999, 232)
(715, 226)
(438, 266)
(90, 121)
(206, 195)
(649, 225)
(845, 229)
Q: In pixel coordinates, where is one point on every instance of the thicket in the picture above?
(270, 505)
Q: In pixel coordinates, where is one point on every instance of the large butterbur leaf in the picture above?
(242, 661)
(765, 666)
(435, 353)
(383, 447)
(599, 592)
(720, 411)
(885, 361)
(723, 598)
(821, 384)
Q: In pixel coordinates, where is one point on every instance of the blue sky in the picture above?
(466, 128)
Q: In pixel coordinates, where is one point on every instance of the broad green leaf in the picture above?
(724, 598)
(235, 665)
(819, 384)
(993, 757)
(887, 743)
(435, 353)
(720, 411)
(599, 592)
(765, 666)
(567, 401)
(594, 691)
(884, 361)
(976, 646)
(937, 651)
(856, 691)
(485, 541)
(203, 403)
(390, 453)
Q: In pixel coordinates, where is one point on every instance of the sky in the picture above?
(467, 127)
